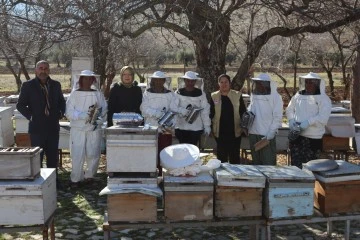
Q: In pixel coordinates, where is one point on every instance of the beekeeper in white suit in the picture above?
(310, 108)
(86, 109)
(267, 106)
(155, 103)
(190, 96)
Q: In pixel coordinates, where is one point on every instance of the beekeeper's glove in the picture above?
(304, 125)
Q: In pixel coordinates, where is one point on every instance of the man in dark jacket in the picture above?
(42, 102)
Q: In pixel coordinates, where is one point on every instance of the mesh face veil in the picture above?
(260, 87)
(309, 86)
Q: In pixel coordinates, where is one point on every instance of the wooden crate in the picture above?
(238, 191)
(189, 205)
(22, 140)
(338, 197)
(289, 192)
(131, 207)
(238, 202)
(28, 202)
(335, 143)
(188, 198)
(337, 191)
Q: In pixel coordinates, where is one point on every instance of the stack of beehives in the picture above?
(27, 193)
(132, 188)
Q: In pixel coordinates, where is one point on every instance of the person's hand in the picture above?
(270, 135)
(207, 131)
(292, 123)
(158, 114)
(304, 125)
(184, 112)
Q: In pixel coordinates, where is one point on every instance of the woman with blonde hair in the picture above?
(125, 96)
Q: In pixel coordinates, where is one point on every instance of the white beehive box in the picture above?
(6, 127)
(282, 140)
(238, 191)
(11, 102)
(64, 135)
(28, 202)
(19, 163)
(289, 192)
(2, 99)
(131, 149)
(21, 123)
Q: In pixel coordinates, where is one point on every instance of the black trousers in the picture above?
(228, 149)
(49, 142)
(187, 136)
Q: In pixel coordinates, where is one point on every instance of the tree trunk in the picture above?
(331, 82)
(355, 97)
(100, 46)
(210, 50)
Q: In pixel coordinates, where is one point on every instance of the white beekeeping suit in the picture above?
(155, 104)
(267, 107)
(183, 102)
(86, 110)
(310, 110)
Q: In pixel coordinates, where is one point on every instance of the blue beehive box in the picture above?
(289, 192)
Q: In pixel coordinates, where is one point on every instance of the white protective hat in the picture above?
(265, 80)
(179, 155)
(311, 75)
(160, 74)
(191, 76)
(314, 77)
(87, 73)
(262, 77)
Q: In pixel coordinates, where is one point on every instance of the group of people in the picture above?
(41, 101)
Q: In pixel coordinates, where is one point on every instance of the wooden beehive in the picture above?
(131, 207)
(22, 140)
(19, 162)
(188, 198)
(335, 143)
(28, 202)
(238, 191)
(337, 191)
(289, 192)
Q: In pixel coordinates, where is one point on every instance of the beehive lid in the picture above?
(133, 130)
(201, 182)
(19, 150)
(285, 174)
(239, 176)
(25, 187)
(132, 182)
(345, 172)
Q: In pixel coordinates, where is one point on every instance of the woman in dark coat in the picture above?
(125, 96)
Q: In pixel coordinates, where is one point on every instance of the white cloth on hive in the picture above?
(195, 168)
